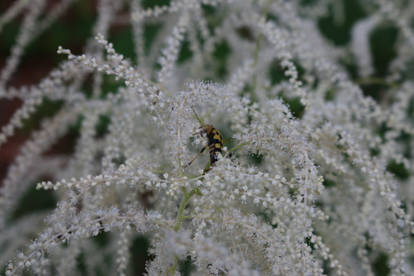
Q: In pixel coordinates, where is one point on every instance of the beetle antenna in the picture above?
(198, 118)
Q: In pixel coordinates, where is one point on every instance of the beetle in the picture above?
(214, 142)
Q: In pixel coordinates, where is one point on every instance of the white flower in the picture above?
(310, 169)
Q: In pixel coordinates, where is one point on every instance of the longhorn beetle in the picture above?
(214, 142)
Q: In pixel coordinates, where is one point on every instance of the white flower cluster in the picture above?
(314, 177)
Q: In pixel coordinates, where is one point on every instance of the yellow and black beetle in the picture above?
(214, 142)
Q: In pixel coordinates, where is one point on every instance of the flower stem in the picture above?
(180, 216)
(172, 269)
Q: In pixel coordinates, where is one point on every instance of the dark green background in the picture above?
(75, 27)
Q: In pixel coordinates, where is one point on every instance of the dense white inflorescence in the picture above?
(304, 185)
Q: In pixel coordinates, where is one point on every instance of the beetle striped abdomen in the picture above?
(215, 143)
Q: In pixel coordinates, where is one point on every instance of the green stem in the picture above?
(172, 269)
(180, 167)
(180, 216)
(233, 149)
(258, 45)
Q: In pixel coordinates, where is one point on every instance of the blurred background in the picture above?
(74, 28)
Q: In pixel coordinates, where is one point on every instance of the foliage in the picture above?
(314, 102)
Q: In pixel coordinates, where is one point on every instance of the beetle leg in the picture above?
(198, 155)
